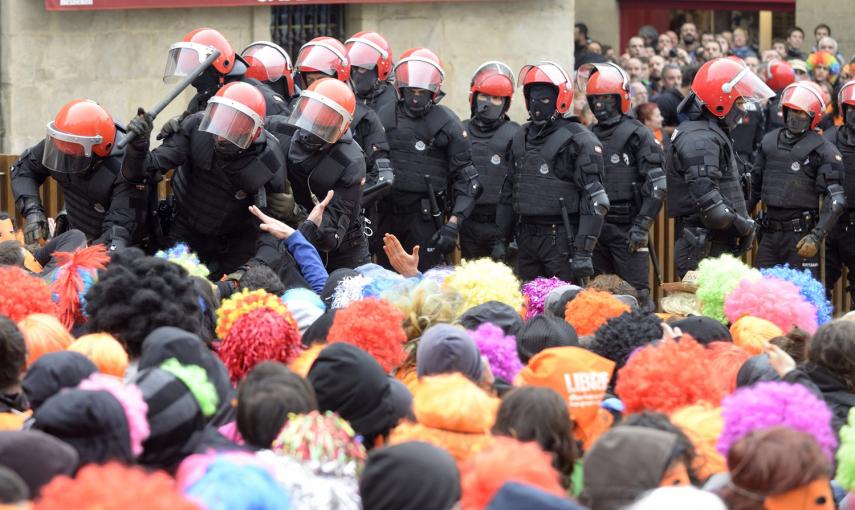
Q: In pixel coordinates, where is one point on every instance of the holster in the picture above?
(699, 239)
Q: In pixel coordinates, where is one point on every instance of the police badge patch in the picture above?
(420, 145)
(544, 169)
(615, 159)
(496, 159)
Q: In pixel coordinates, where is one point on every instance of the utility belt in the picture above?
(695, 226)
(544, 225)
(482, 217)
(621, 213)
(804, 223)
(421, 205)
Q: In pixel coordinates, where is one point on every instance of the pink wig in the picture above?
(535, 293)
(777, 301)
(131, 399)
(500, 350)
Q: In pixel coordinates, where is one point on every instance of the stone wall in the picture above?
(838, 14)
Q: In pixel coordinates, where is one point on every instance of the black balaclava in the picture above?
(226, 149)
(731, 120)
(416, 105)
(208, 82)
(796, 124)
(304, 145)
(541, 112)
(364, 83)
(487, 116)
(849, 115)
(604, 107)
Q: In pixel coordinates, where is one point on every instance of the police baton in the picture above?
(654, 259)
(159, 107)
(435, 213)
(565, 217)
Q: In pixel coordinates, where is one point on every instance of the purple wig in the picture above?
(535, 293)
(500, 350)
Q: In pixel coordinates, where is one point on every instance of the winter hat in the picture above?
(409, 476)
(581, 378)
(846, 455)
(666, 376)
(493, 312)
(451, 413)
(105, 351)
(726, 359)
(305, 306)
(23, 294)
(75, 274)
(544, 332)
(535, 293)
(506, 460)
(483, 280)
(36, 457)
(446, 349)
(333, 281)
(230, 485)
(374, 326)
(500, 350)
(43, 334)
(182, 255)
(113, 487)
(753, 334)
(590, 309)
(53, 372)
(620, 336)
(775, 300)
(702, 424)
(811, 289)
(703, 329)
(756, 369)
(770, 404)
(514, 495)
(557, 299)
(717, 277)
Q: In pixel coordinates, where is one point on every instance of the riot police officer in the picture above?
(705, 194)
(104, 191)
(427, 139)
(323, 157)
(795, 166)
(747, 135)
(270, 64)
(778, 75)
(634, 180)
(840, 246)
(553, 192)
(370, 57)
(225, 161)
(490, 132)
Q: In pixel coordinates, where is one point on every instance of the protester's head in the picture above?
(493, 312)
(649, 115)
(426, 304)
(620, 336)
(702, 424)
(229, 482)
(44, 334)
(260, 276)
(543, 332)
(105, 351)
(795, 343)
(11, 253)
(684, 457)
(13, 355)
(54, 372)
(833, 349)
(374, 326)
(23, 294)
(591, 308)
(672, 77)
(823, 66)
(36, 457)
(795, 38)
(447, 349)
(704, 330)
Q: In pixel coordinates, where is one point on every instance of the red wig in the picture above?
(666, 376)
(376, 327)
(260, 335)
(22, 294)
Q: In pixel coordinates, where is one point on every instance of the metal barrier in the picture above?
(663, 232)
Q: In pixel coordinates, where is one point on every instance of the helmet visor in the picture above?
(490, 69)
(610, 79)
(320, 57)
(749, 86)
(230, 120)
(847, 93)
(543, 72)
(183, 59)
(364, 53)
(273, 62)
(67, 153)
(320, 116)
(419, 73)
(804, 98)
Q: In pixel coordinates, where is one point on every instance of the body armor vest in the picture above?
(621, 165)
(489, 155)
(789, 179)
(413, 151)
(836, 136)
(87, 195)
(537, 189)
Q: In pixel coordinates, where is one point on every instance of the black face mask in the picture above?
(604, 108)
(414, 103)
(208, 82)
(796, 124)
(364, 83)
(539, 110)
(731, 120)
(310, 141)
(850, 116)
(488, 112)
(226, 149)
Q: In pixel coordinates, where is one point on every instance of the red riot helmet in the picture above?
(419, 68)
(778, 74)
(268, 62)
(804, 96)
(493, 79)
(548, 73)
(721, 81)
(605, 79)
(325, 109)
(368, 50)
(324, 55)
(185, 56)
(235, 113)
(846, 96)
(81, 131)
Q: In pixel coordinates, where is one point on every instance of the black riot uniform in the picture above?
(378, 97)
(213, 190)
(840, 245)
(491, 143)
(773, 115)
(635, 184)
(434, 143)
(705, 194)
(369, 134)
(101, 202)
(207, 86)
(312, 172)
(790, 175)
(747, 136)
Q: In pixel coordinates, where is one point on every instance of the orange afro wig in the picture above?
(105, 351)
(753, 333)
(726, 360)
(666, 376)
(591, 308)
(506, 460)
(113, 487)
(22, 294)
(44, 334)
(452, 413)
(376, 327)
(702, 424)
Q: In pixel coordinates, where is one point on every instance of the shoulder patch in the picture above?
(838, 157)
(598, 149)
(674, 134)
(465, 134)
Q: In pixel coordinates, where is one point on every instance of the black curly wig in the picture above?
(621, 335)
(137, 294)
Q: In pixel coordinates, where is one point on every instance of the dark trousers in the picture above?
(478, 234)
(612, 256)
(687, 256)
(779, 247)
(543, 251)
(839, 252)
(411, 228)
(68, 241)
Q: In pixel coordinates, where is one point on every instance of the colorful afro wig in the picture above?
(483, 280)
(506, 460)
(726, 359)
(775, 300)
(716, 278)
(499, 349)
(323, 442)
(702, 424)
(182, 255)
(424, 303)
(131, 399)
(69, 283)
(105, 351)
(810, 289)
(771, 404)
(591, 308)
(113, 487)
(254, 327)
(846, 455)
(43, 334)
(826, 59)
(374, 326)
(22, 294)
(228, 484)
(667, 376)
(535, 293)
(753, 334)
(196, 380)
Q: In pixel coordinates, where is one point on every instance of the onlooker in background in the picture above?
(635, 47)
(649, 115)
(830, 115)
(595, 47)
(649, 34)
(713, 50)
(689, 37)
(656, 63)
(638, 93)
(724, 44)
(823, 67)
(664, 45)
(800, 68)
(770, 55)
(780, 46)
(741, 47)
(675, 39)
(671, 96)
(633, 68)
(728, 36)
(580, 37)
(706, 37)
(753, 63)
(795, 39)
(821, 30)
(830, 45)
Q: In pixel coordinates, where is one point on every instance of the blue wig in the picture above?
(227, 485)
(812, 290)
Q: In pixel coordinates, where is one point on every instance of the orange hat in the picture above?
(581, 377)
(591, 308)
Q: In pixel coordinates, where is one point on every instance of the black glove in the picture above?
(37, 227)
(171, 127)
(500, 251)
(582, 265)
(638, 234)
(141, 126)
(445, 239)
(746, 240)
(808, 246)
